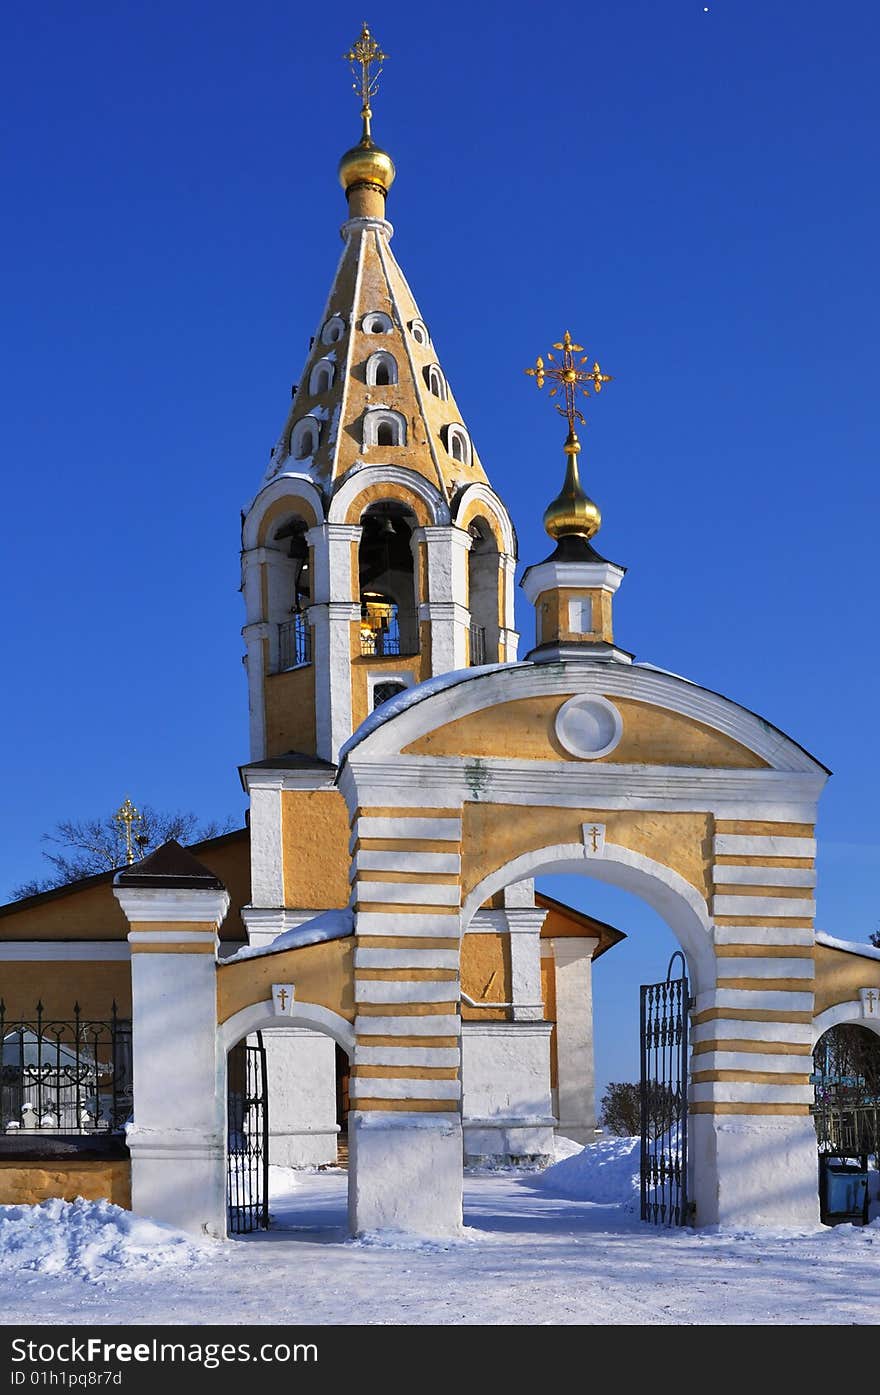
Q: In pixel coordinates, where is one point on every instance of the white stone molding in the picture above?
(408, 925)
(388, 1088)
(405, 861)
(265, 923)
(444, 830)
(739, 1029)
(553, 576)
(445, 1057)
(764, 968)
(762, 935)
(267, 777)
(172, 937)
(441, 1025)
(145, 904)
(59, 951)
(260, 1016)
(724, 875)
(679, 903)
(370, 990)
(408, 893)
(352, 227)
(775, 907)
(841, 1013)
(468, 693)
(751, 845)
(360, 480)
(406, 959)
(494, 507)
(374, 418)
(765, 1000)
(292, 486)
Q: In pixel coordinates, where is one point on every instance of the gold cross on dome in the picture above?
(569, 376)
(363, 55)
(127, 816)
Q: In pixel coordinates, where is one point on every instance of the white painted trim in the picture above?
(287, 779)
(435, 1025)
(391, 1089)
(445, 1056)
(406, 958)
(575, 576)
(408, 893)
(417, 924)
(493, 505)
(679, 903)
(840, 1013)
(746, 1092)
(158, 903)
(752, 845)
(407, 780)
(781, 935)
(360, 480)
(172, 937)
(290, 485)
(506, 1029)
(763, 876)
(375, 990)
(764, 968)
(567, 734)
(262, 1015)
(465, 694)
(58, 951)
(444, 830)
(789, 907)
(774, 1063)
(404, 861)
(737, 1029)
(770, 1000)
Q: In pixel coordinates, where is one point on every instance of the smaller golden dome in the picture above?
(572, 511)
(365, 163)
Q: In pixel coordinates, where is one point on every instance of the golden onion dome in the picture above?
(572, 511)
(365, 163)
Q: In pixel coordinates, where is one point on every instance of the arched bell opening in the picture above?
(484, 592)
(387, 581)
(289, 593)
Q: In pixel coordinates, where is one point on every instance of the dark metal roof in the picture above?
(170, 866)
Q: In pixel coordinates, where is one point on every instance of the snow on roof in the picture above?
(329, 925)
(848, 946)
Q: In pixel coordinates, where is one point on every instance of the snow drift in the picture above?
(91, 1239)
(605, 1173)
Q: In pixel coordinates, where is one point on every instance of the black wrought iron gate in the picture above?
(664, 1073)
(247, 1138)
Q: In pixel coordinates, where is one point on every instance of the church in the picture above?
(365, 972)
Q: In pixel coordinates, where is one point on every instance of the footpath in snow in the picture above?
(562, 1246)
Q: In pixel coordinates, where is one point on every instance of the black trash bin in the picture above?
(843, 1188)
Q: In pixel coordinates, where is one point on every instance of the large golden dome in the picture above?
(572, 511)
(365, 163)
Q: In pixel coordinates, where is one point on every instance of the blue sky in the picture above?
(692, 193)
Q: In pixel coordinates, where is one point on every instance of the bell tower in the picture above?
(375, 554)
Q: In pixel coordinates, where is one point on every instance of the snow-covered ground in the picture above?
(530, 1256)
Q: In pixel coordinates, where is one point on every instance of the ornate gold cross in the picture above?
(570, 376)
(362, 55)
(127, 816)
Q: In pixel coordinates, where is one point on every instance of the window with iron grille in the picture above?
(478, 645)
(294, 643)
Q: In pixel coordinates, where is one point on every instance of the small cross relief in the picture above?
(594, 839)
(283, 999)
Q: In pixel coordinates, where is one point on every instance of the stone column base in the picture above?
(500, 1142)
(302, 1147)
(404, 1172)
(752, 1170)
(179, 1177)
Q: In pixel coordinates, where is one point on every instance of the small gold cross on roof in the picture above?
(127, 816)
(570, 376)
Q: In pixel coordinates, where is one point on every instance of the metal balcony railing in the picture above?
(396, 632)
(294, 643)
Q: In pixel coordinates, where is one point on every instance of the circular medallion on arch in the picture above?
(589, 727)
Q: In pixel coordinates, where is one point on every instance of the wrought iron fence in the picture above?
(478, 645)
(64, 1077)
(396, 632)
(664, 1106)
(294, 643)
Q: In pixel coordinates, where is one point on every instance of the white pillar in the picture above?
(267, 851)
(177, 1142)
(506, 1105)
(524, 921)
(446, 608)
(508, 639)
(576, 1081)
(254, 663)
(301, 1073)
(334, 607)
(748, 1169)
